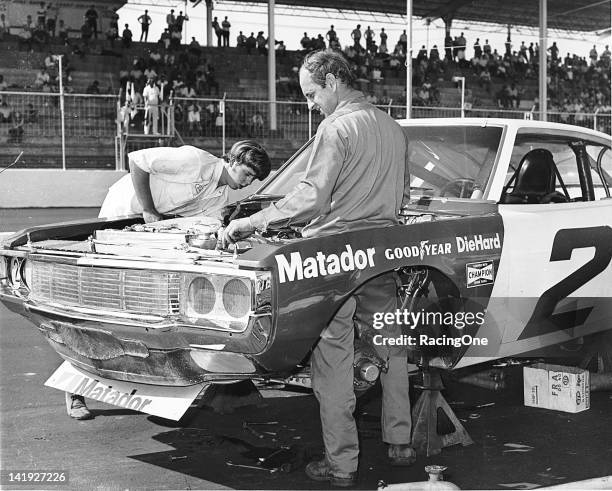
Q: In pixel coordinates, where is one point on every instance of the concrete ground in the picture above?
(515, 447)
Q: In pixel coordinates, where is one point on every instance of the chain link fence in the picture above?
(97, 129)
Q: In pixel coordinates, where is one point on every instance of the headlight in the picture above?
(3, 268)
(201, 296)
(236, 298)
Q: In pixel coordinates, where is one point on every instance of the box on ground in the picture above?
(556, 387)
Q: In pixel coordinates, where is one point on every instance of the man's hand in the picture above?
(151, 216)
(237, 230)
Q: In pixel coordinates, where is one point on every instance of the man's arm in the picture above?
(140, 179)
(310, 198)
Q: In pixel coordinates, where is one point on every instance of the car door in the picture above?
(554, 275)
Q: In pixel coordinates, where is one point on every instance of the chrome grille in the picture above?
(135, 291)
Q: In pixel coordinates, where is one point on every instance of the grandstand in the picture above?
(98, 132)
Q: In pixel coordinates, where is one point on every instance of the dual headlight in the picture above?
(226, 301)
(18, 270)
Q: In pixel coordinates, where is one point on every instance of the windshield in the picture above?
(444, 161)
(452, 161)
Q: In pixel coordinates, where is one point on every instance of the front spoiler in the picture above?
(100, 352)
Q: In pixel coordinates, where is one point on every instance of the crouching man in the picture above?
(166, 182)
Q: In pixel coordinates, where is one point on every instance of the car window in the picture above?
(602, 177)
(542, 183)
(451, 161)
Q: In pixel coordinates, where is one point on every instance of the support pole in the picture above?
(209, 9)
(543, 96)
(62, 111)
(271, 65)
(409, 59)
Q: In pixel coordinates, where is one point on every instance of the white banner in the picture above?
(165, 401)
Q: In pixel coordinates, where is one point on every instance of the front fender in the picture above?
(313, 277)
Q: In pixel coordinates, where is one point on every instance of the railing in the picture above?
(97, 126)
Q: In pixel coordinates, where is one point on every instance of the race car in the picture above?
(504, 247)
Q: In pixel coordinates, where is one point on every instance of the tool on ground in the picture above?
(271, 471)
(254, 432)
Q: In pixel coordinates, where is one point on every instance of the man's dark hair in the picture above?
(251, 154)
(320, 63)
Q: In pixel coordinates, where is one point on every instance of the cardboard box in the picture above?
(556, 387)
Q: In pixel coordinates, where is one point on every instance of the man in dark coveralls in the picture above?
(354, 180)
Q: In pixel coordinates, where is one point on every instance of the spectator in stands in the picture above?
(422, 54)
(170, 20)
(180, 21)
(403, 41)
(356, 37)
(126, 36)
(251, 43)
(593, 55)
(218, 31)
(383, 41)
(49, 61)
(193, 116)
(211, 80)
(5, 112)
(331, 36)
(152, 99)
(41, 16)
(261, 43)
(86, 32)
(605, 57)
(487, 48)
(175, 39)
(91, 17)
(42, 77)
(145, 21)
(113, 30)
(225, 27)
(448, 47)
(4, 28)
(241, 40)
(164, 39)
(305, 42)
(369, 37)
(16, 130)
(461, 47)
(62, 32)
(40, 38)
(25, 36)
(257, 124)
(554, 53)
(477, 48)
(281, 49)
(31, 114)
(52, 13)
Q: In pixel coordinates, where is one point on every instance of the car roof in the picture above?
(515, 124)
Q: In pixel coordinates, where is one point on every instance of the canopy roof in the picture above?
(567, 15)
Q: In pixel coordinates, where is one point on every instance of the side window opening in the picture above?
(600, 164)
(542, 172)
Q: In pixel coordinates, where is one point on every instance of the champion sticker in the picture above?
(478, 274)
(199, 188)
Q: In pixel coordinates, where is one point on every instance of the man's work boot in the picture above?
(319, 470)
(401, 455)
(76, 407)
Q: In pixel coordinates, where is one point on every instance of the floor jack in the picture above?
(430, 411)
